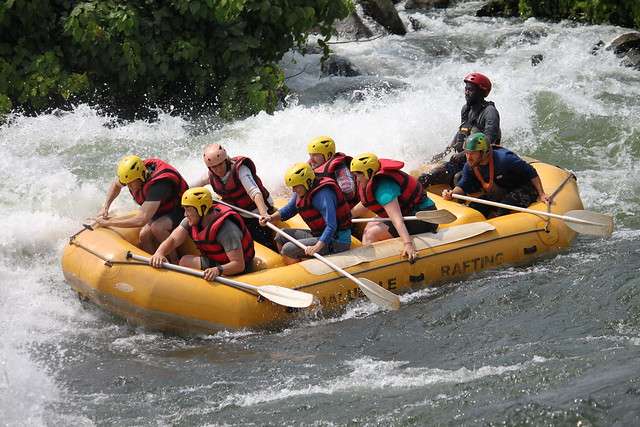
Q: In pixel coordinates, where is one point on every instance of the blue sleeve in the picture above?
(468, 182)
(386, 190)
(290, 210)
(514, 163)
(326, 202)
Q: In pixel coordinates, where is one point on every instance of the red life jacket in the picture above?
(411, 190)
(159, 170)
(328, 169)
(314, 218)
(232, 191)
(207, 243)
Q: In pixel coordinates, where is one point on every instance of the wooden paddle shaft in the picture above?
(517, 208)
(197, 273)
(406, 218)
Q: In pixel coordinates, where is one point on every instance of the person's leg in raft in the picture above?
(160, 229)
(290, 251)
(375, 232)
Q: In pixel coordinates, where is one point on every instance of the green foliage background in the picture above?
(625, 13)
(145, 52)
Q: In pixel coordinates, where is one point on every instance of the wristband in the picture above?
(220, 270)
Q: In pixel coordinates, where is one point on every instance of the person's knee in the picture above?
(146, 234)
(371, 233)
(160, 228)
(289, 250)
(190, 261)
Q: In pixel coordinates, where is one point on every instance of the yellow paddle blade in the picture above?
(379, 295)
(440, 216)
(285, 296)
(588, 222)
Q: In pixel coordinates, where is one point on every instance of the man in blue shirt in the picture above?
(322, 206)
(500, 174)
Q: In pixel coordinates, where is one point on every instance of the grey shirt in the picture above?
(229, 236)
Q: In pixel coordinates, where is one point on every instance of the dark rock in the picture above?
(499, 8)
(529, 36)
(596, 47)
(310, 49)
(426, 4)
(352, 27)
(536, 59)
(385, 14)
(415, 24)
(338, 66)
(621, 44)
(632, 59)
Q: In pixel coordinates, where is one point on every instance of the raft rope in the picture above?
(553, 195)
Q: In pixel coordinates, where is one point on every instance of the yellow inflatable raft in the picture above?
(95, 265)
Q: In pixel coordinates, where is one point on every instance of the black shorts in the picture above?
(176, 216)
(415, 227)
(207, 263)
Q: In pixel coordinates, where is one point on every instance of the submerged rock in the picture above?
(528, 36)
(632, 59)
(338, 66)
(536, 59)
(415, 24)
(384, 13)
(623, 43)
(596, 47)
(627, 46)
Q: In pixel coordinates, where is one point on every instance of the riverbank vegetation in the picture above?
(625, 13)
(131, 54)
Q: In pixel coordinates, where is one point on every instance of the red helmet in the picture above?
(480, 80)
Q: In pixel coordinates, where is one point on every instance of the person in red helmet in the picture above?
(478, 115)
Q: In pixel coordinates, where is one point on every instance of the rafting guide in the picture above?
(477, 115)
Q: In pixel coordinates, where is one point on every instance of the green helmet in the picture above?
(477, 142)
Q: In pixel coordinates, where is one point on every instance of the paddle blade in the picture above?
(379, 295)
(285, 296)
(599, 224)
(440, 216)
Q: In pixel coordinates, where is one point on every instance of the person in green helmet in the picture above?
(500, 174)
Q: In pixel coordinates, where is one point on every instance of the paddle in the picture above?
(283, 296)
(440, 156)
(373, 291)
(440, 216)
(581, 221)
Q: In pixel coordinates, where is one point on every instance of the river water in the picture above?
(554, 343)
